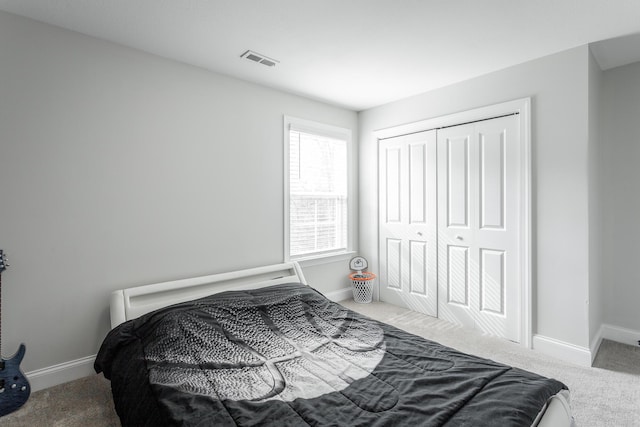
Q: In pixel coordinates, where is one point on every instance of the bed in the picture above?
(260, 347)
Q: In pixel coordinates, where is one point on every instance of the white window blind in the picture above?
(318, 193)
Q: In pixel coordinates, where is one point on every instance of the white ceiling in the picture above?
(353, 53)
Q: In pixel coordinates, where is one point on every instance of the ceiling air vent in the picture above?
(259, 58)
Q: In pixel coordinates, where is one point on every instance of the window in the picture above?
(317, 183)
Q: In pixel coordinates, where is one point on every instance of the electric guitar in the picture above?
(14, 387)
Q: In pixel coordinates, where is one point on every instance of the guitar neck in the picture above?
(0, 313)
(3, 266)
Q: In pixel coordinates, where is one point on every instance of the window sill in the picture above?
(324, 259)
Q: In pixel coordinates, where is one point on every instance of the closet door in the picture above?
(478, 226)
(407, 222)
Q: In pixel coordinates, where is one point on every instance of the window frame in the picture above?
(322, 129)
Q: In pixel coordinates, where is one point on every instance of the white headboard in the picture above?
(130, 303)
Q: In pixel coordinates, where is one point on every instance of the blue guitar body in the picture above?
(14, 387)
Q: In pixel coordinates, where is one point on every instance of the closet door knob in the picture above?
(458, 237)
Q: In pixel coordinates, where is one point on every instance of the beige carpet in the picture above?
(82, 403)
(605, 395)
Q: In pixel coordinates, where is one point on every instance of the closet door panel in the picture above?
(418, 268)
(393, 185)
(478, 172)
(497, 235)
(492, 180)
(492, 281)
(393, 264)
(457, 181)
(408, 227)
(458, 276)
(417, 183)
(455, 196)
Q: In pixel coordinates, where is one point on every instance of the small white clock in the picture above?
(358, 263)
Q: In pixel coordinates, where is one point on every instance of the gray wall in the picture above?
(621, 195)
(596, 298)
(558, 86)
(119, 168)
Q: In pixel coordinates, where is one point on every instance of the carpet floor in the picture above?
(607, 394)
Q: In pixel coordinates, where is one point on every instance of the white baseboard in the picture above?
(562, 350)
(595, 343)
(79, 368)
(621, 335)
(61, 373)
(340, 294)
(40, 379)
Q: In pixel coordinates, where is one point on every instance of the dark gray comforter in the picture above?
(286, 355)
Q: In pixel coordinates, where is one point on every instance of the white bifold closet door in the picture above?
(408, 225)
(478, 260)
(449, 224)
